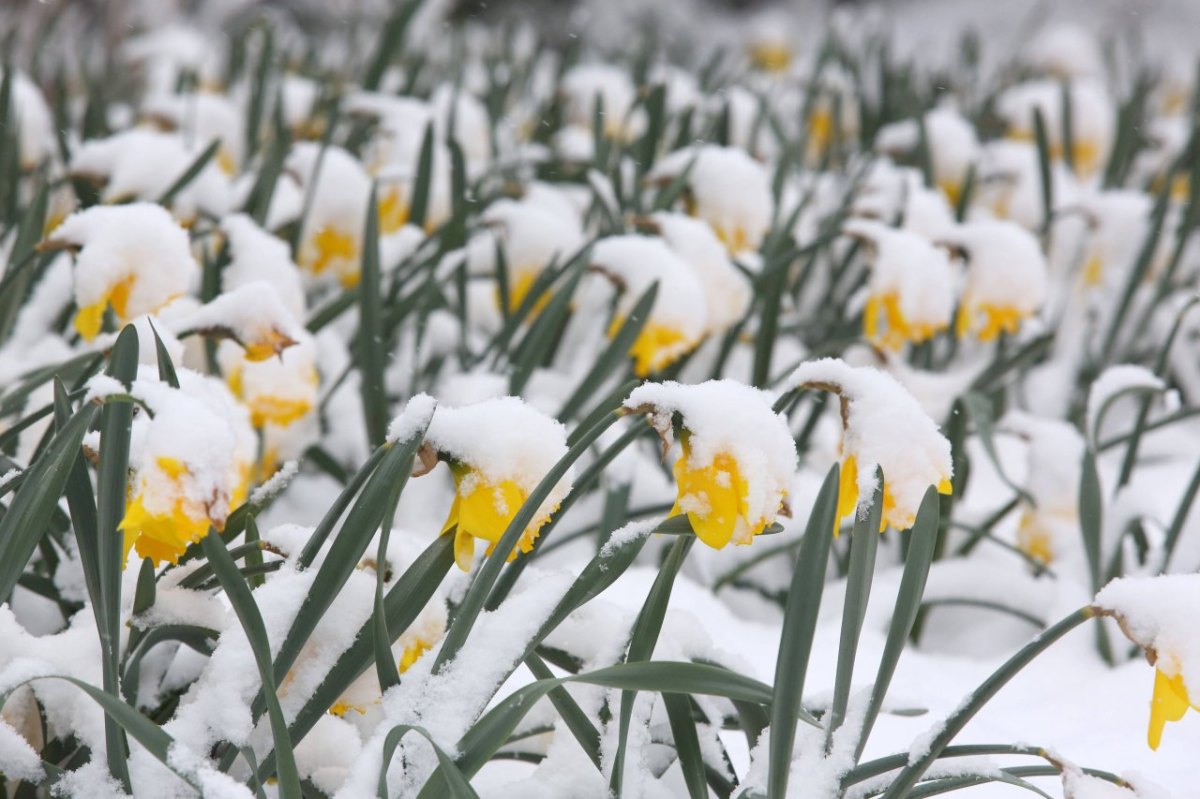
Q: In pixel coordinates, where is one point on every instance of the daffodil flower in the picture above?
(483, 509)
(191, 463)
(678, 317)
(1035, 539)
(1091, 113)
(132, 258)
(1157, 614)
(657, 346)
(884, 427)
(715, 499)
(160, 525)
(737, 456)
(1006, 278)
(331, 241)
(277, 391)
(910, 291)
(770, 56)
(726, 188)
(849, 494)
(498, 451)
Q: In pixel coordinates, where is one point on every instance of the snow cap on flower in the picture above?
(1054, 453)
(882, 426)
(584, 83)
(677, 318)
(1118, 221)
(738, 456)
(331, 242)
(203, 117)
(498, 451)
(1065, 50)
(144, 164)
(532, 234)
(1006, 277)
(727, 189)
(1092, 118)
(953, 146)
(257, 255)
(393, 153)
(253, 315)
(910, 294)
(726, 289)
(889, 192)
(769, 41)
(1159, 615)
(191, 459)
(135, 258)
(34, 123)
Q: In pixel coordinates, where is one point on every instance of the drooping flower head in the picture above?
(1092, 119)
(727, 189)
(498, 451)
(769, 42)
(585, 85)
(1118, 221)
(277, 391)
(253, 315)
(204, 117)
(952, 141)
(331, 241)
(143, 164)
(882, 426)
(1051, 521)
(727, 291)
(132, 258)
(191, 462)
(677, 318)
(539, 228)
(738, 456)
(910, 294)
(1006, 278)
(1159, 615)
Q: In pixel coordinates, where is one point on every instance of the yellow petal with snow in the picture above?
(1169, 703)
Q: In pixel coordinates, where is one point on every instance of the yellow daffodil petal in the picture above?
(272, 343)
(1034, 539)
(331, 246)
(393, 212)
(1169, 703)
(412, 653)
(847, 491)
(715, 499)
(484, 510)
(162, 537)
(655, 348)
(770, 57)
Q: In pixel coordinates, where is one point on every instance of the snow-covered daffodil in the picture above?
(498, 451)
(885, 427)
(737, 457)
(191, 463)
(132, 258)
(910, 293)
(678, 316)
(1157, 614)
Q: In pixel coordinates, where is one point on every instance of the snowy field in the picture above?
(602, 399)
